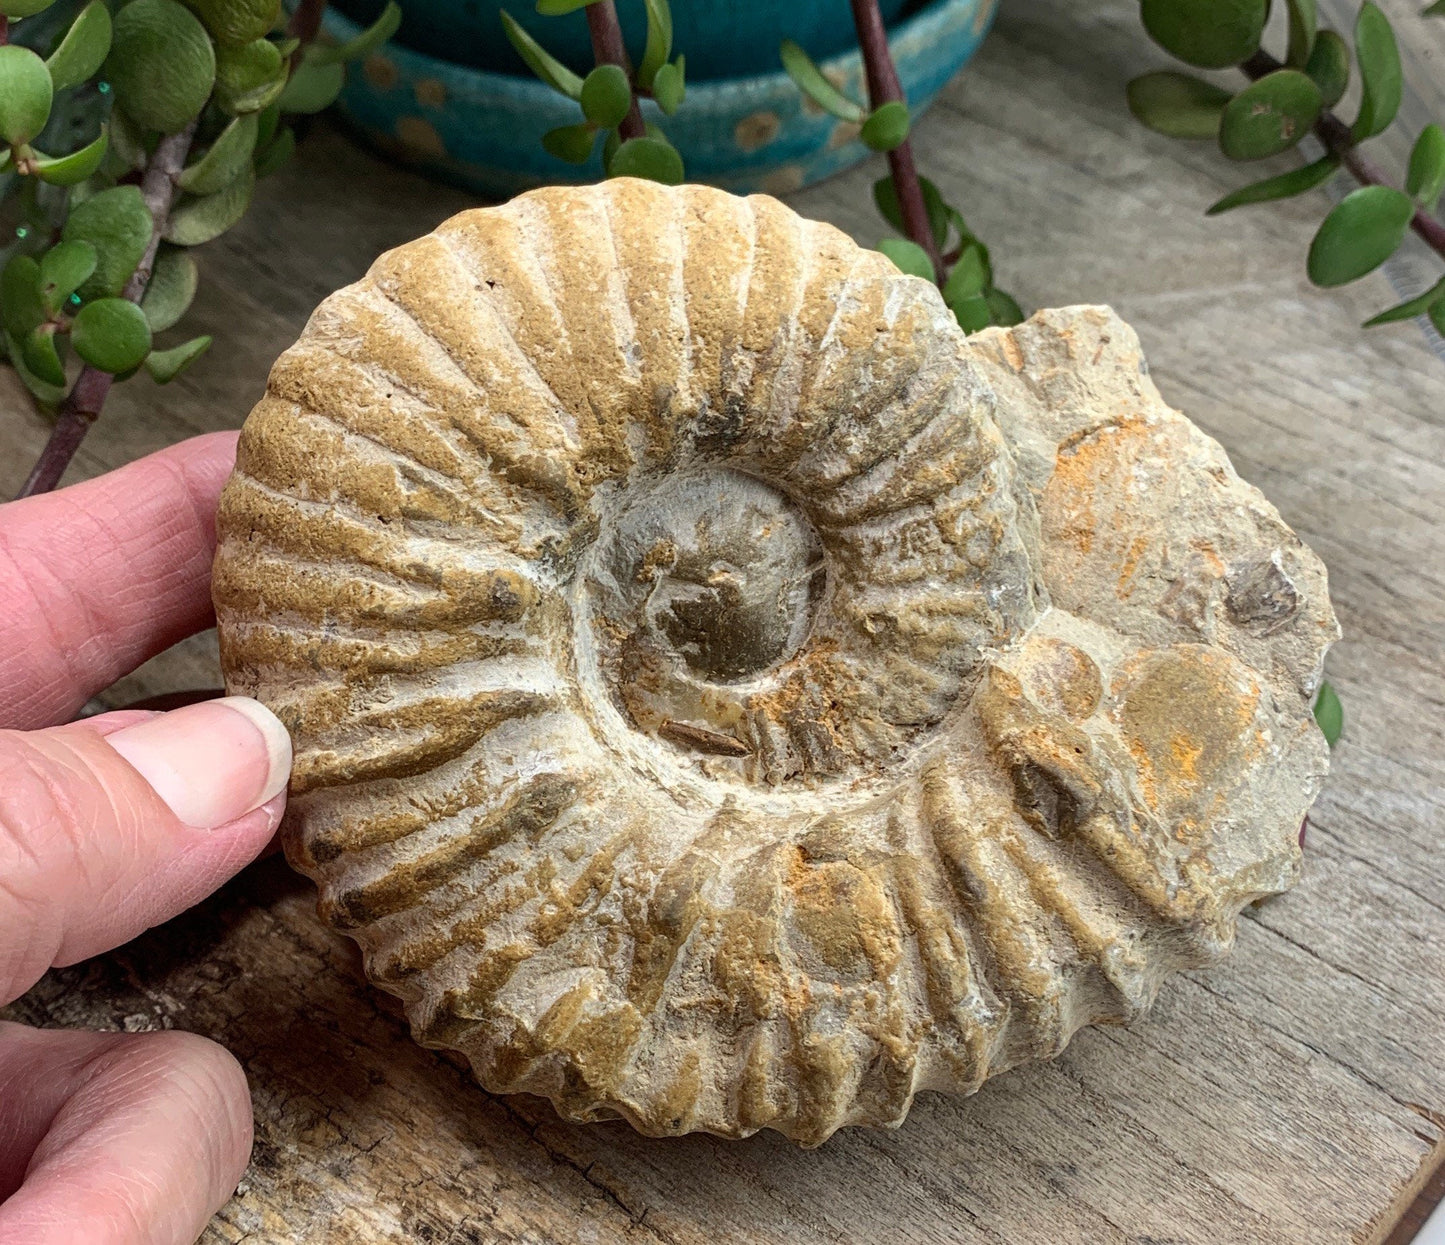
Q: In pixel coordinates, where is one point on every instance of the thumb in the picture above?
(114, 824)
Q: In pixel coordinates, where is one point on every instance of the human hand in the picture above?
(107, 827)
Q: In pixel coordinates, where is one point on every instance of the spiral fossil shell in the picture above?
(726, 697)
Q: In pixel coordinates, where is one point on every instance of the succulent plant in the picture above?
(199, 96)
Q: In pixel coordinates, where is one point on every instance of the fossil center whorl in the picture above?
(715, 616)
(697, 592)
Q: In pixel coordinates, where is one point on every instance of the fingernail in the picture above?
(210, 762)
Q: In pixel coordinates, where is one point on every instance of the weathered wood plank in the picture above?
(1287, 1096)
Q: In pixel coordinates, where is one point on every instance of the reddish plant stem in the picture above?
(608, 49)
(83, 404)
(4, 30)
(305, 23)
(1338, 140)
(158, 189)
(883, 87)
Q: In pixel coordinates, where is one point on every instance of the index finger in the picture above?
(99, 576)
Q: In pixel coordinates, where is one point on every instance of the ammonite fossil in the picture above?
(725, 696)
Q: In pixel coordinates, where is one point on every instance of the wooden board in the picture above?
(1292, 1095)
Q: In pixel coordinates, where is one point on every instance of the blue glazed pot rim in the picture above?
(483, 130)
(917, 29)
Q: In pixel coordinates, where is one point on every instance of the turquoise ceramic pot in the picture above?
(722, 38)
(483, 129)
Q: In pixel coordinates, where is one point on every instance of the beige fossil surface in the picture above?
(725, 696)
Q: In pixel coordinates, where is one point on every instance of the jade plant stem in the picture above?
(884, 87)
(1338, 140)
(608, 49)
(305, 24)
(82, 406)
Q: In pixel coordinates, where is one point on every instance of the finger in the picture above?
(103, 835)
(117, 1138)
(116, 719)
(107, 723)
(97, 577)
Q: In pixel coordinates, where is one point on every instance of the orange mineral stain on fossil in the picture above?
(1137, 548)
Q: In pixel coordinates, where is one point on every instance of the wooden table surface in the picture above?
(1294, 1094)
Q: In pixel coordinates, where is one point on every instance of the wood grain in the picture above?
(1291, 1096)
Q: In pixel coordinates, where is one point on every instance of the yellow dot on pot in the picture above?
(757, 129)
(784, 180)
(842, 134)
(380, 72)
(421, 136)
(430, 93)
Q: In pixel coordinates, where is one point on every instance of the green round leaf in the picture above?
(815, 86)
(198, 220)
(1177, 104)
(886, 126)
(13, 9)
(165, 365)
(659, 42)
(235, 22)
(268, 120)
(225, 159)
(76, 167)
(41, 356)
(1269, 116)
(111, 334)
(1426, 178)
(1295, 182)
(652, 158)
(127, 140)
(572, 143)
(251, 77)
(940, 215)
(1360, 233)
(312, 87)
(1329, 66)
(117, 224)
(62, 269)
(25, 94)
(1382, 83)
(1209, 34)
(161, 64)
(668, 87)
(973, 313)
(969, 277)
(367, 41)
(277, 152)
(908, 257)
(1437, 316)
(84, 47)
(1411, 307)
(606, 96)
(1303, 25)
(540, 61)
(1330, 714)
(170, 291)
(1005, 308)
(46, 394)
(20, 303)
(614, 140)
